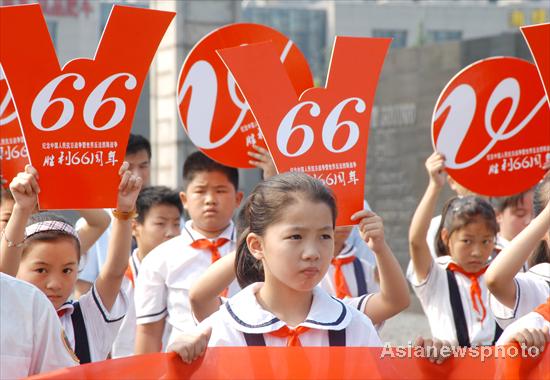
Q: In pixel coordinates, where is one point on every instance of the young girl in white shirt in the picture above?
(283, 252)
(46, 251)
(451, 288)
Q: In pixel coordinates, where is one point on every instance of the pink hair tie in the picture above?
(50, 225)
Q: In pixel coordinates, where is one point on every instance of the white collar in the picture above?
(245, 314)
(67, 306)
(192, 235)
(134, 263)
(347, 251)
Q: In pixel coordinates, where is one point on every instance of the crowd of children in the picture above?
(282, 275)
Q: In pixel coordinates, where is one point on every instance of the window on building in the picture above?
(443, 35)
(399, 36)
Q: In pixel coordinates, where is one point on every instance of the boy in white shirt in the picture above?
(162, 290)
(159, 213)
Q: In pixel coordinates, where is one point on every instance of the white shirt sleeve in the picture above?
(102, 325)
(530, 293)
(151, 293)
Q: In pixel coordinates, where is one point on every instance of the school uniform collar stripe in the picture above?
(245, 314)
(334, 323)
(134, 262)
(244, 324)
(99, 306)
(188, 232)
(346, 251)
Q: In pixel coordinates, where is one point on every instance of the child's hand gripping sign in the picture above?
(492, 124)
(212, 110)
(76, 119)
(324, 131)
(13, 151)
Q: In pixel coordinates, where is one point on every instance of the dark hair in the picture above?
(137, 143)
(265, 206)
(458, 212)
(5, 193)
(542, 253)
(50, 235)
(198, 162)
(153, 196)
(502, 203)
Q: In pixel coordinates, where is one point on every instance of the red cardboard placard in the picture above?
(213, 112)
(324, 131)
(492, 124)
(13, 151)
(318, 363)
(76, 119)
(538, 39)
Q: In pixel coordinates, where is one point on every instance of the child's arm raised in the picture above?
(500, 274)
(394, 293)
(263, 160)
(25, 189)
(96, 222)
(204, 295)
(418, 247)
(110, 277)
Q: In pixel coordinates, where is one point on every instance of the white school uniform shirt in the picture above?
(243, 314)
(101, 325)
(356, 301)
(31, 338)
(532, 289)
(433, 293)
(167, 274)
(531, 320)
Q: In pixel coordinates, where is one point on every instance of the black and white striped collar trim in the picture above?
(244, 313)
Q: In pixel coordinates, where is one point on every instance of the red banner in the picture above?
(76, 119)
(213, 112)
(506, 362)
(491, 123)
(13, 151)
(324, 131)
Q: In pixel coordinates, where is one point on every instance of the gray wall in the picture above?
(400, 139)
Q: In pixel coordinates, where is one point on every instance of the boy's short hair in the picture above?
(138, 143)
(502, 203)
(198, 162)
(153, 196)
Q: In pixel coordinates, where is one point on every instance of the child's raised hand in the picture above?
(190, 346)
(25, 189)
(128, 189)
(263, 160)
(435, 164)
(436, 351)
(371, 229)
